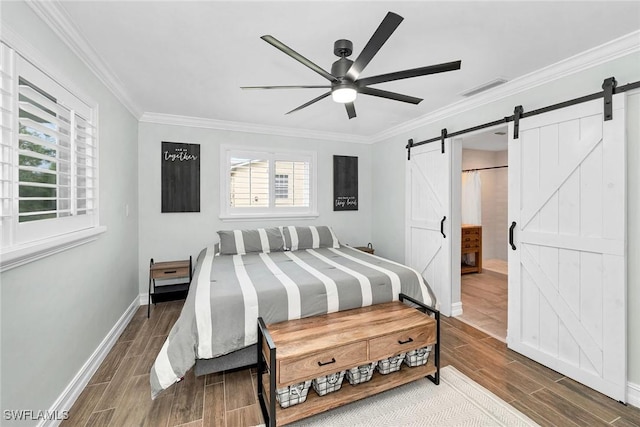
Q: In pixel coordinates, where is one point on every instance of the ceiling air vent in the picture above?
(485, 86)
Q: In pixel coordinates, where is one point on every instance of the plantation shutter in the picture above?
(6, 138)
(292, 183)
(49, 156)
(249, 180)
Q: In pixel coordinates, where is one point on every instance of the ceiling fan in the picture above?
(345, 73)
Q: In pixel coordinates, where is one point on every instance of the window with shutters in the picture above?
(267, 184)
(49, 164)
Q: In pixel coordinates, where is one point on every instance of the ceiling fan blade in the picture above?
(351, 109)
(295, 55)
(285, 87)
(389, 95)
(415, 72)
(379, 37)
(324, 95)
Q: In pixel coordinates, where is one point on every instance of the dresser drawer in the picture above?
(471, 245)
(469, 231)
(322, 363)
(400, 342)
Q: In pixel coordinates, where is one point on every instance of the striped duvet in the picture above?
(229, 292)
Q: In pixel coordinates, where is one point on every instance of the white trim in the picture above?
(67, 398)
(456, 309)
(197, 122)
(262, 217)
(609, 51)
(633, 394)
(21, 255)
(144, 298)
(55, 16)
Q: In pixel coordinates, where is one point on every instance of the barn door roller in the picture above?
(609, 86)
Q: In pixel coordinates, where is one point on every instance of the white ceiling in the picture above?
(189, 58)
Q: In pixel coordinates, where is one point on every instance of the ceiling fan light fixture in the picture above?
(344, 94)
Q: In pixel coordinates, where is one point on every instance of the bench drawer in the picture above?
(322, 363)
(401, 342)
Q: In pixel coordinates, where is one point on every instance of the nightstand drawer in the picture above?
(323, 363)
(170, 273)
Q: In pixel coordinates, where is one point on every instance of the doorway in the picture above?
(483, 212)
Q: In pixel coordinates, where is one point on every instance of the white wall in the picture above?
(390, 158)
(494, 199)
(166, 236)
(56, 311)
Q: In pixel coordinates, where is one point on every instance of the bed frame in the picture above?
(242, 358)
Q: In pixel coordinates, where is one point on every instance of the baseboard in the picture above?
(144, 299)
(633, 394)
(456, 309)
(68, 397)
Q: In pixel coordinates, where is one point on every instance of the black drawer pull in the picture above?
(333, 360)
(405, 342)
(170, 271)
(442, 226)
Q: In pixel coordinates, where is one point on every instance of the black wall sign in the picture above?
(345, 183)
(180, 177)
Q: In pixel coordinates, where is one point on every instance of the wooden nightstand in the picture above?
(165, 271)
(368, 249)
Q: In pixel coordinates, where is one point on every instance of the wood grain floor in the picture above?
(118, 395)
(484, 302)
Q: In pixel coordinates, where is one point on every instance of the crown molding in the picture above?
(54, 15)
(598, 55)
(197, 122)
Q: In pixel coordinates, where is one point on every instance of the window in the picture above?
(282, 187)
(48, 157)
(267, 184)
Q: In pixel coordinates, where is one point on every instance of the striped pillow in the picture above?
(241, 242)
(310, 237)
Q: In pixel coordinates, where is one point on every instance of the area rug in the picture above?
(457, 401)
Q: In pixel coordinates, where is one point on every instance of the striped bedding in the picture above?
(229, 292)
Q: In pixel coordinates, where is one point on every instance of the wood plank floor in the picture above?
(118, 394)
(484, 302)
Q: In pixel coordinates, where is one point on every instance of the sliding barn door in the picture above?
(428, 234)
(567, 273)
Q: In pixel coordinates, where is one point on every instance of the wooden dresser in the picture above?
(303, 349)
(471, 244)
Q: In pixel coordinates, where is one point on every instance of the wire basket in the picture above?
(361, 374)
(417, 357)
(293, 394)
(391, 364)
(328, 383)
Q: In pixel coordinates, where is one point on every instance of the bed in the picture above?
(277, 273)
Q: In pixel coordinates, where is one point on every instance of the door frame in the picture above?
(456, 216)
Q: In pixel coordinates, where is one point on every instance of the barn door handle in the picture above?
(513, 225)
(442, 226)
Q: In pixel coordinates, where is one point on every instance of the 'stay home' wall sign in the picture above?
(345, 183)
(180, 177)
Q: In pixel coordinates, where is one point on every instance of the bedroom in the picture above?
(69, 302)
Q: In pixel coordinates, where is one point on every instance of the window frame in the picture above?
(23, 242)
(228, 213)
